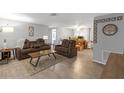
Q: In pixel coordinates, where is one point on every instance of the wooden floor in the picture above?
(114, 69)
(80, 67)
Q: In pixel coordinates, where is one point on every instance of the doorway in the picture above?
(53, 37)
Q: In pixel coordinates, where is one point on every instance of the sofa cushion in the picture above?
(26, 51)
(33, 44)
(72, 43)
(45, 47)
(20, 43)
(40, 42)
(36, 46)
(26, 44)
(65, 43)
(62, 49)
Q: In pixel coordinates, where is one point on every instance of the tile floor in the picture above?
(80, 67)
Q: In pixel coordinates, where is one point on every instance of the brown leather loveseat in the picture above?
(67, 48)
(31, 46)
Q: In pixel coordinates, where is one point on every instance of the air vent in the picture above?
(53, 14)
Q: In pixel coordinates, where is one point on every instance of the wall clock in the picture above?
(110, 29)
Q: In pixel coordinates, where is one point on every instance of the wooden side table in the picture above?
(6, 53)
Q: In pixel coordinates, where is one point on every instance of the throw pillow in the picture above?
(20, 43)
(26, 44)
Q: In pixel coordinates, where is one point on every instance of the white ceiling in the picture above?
(61, 20)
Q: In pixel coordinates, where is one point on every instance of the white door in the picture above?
(53, 36)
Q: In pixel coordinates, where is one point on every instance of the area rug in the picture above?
(45, 63)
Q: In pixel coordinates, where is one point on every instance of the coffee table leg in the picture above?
(13, 53)
(54, 55)
(31, 60)
(37, 61)
(35, 65)
(49, 55)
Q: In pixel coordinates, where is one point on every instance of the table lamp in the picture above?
(5, 43)
(45, 38)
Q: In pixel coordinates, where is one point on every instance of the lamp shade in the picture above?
(7, 29)
(45, 37)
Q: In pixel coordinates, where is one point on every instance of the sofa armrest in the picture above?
(18, 53)
(58, 45)
(47, 44)
(72, 52)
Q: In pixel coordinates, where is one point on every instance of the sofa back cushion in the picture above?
(72, 43)
(33, 44)
(40, 42)
(65, 43)
(26, 44)
(20, 43)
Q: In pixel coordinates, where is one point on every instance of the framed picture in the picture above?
(110, 29)
(31, 31)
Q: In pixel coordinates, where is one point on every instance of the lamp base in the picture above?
(5, 45)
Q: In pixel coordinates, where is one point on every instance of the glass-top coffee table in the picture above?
(39, 54)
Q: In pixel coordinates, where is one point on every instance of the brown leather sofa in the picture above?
(67, 48)
(29, 47)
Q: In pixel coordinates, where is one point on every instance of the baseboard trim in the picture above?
(117, 52)
(100, 62)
